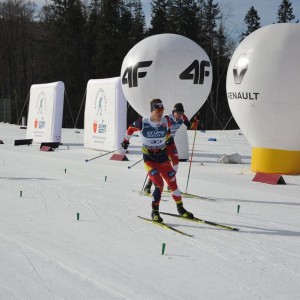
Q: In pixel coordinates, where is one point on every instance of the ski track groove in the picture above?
(40, 195)
(255, 254)
(12, 291)
(101, 286)
(87, 204)
(272, 268)
(19, 247)
(123, 220)
(117, 270)
(228, 277)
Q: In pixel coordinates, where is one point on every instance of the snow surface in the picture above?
(46, 253)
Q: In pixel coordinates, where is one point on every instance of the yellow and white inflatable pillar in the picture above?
(263, 91)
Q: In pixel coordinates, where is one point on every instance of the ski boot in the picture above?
(156, 216)
(183, 212)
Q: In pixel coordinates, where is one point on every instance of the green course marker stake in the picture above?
(77, 216)
(238, 208)
(163, 248)
(21, 193)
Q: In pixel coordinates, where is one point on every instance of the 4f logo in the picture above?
(132, 74)
(196, 71)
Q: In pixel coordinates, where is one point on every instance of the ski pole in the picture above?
(129, 167)
(144, 184)
(191, 161)
(99, 156)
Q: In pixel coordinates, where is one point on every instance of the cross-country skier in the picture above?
(176, 118)
(154, 130)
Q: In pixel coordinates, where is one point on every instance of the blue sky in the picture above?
(267, 10)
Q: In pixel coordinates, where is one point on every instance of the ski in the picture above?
(168, 194)
(188, 195)
(202, 221)
(142, 193)
(146, 194)
(166, 226)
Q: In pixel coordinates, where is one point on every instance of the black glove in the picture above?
(170, 141)
(125, 144)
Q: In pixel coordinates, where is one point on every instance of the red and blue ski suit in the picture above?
(155, 155)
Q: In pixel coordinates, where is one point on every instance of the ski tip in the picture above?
(229, 228)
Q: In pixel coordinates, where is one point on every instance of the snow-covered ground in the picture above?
(109, 253)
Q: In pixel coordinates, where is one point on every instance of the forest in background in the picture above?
(74, 41)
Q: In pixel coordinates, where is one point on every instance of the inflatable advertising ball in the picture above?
(263, 91)
(170, 67)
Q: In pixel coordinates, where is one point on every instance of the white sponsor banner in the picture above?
(45, 112)
(105, 115)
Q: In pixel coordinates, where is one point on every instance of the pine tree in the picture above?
(91, 33)
(252, 21)
(138, 22)
(16, 52)
(107, 58)
(210, 17)
(209, 42)
(183, 18)
(121, 24)
(201, 20)
(285, 12)
(66, 53)
(159, 16)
